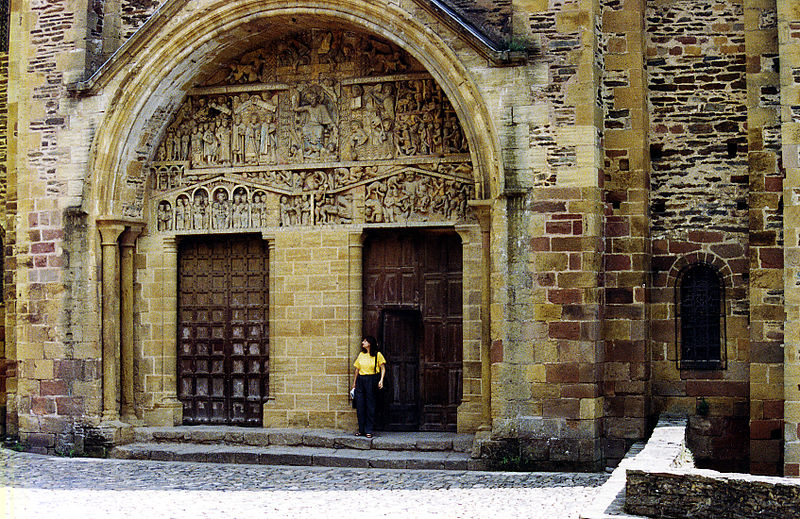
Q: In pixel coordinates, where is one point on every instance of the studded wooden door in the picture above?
(413, 304)
(223, 328)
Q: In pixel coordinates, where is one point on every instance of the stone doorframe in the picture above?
(474, 413)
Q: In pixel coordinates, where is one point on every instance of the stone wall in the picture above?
(626, 368)
(698, 141)
(708, 495)
(546, 402)
(789, 50)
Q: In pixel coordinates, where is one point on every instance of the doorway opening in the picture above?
(223, 329)
(413, 304)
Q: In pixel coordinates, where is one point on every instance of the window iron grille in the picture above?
(700, 324)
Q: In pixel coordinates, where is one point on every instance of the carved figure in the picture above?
(223, 135)
(240, 219)
(220, 210)
(200, 211)
(267, 142)
(164, 217)
(316, 123)
(257, 210)
(358, 138)
(180, 214)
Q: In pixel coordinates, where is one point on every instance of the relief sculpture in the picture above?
(319, 128)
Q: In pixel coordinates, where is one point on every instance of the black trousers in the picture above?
(366, 389)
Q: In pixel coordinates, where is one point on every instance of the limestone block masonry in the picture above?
(193, 191)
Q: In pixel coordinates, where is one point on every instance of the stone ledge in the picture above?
(666, 448)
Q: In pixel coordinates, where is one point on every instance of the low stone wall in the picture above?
(665, 450)
(659, 479)
(702, 494)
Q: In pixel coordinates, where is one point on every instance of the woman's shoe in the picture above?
(368, 435)
(358, 434)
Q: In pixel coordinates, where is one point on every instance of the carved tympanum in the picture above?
(319, 128)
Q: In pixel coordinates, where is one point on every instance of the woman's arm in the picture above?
(355, 377)
(383, 373)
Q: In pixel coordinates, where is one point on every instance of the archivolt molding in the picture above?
(170, 59)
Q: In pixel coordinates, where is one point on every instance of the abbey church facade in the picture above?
(561, 219)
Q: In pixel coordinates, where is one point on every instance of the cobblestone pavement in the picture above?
(33, 486)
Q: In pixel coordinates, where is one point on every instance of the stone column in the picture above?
(109, 232)
(270, 239)
(482, 210)
(355, 255)
(171, 410)
(127, 242)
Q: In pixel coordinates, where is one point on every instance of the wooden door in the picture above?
(223, 353)
(412, 303)
(399, 403)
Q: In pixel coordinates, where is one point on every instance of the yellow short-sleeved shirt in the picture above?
(366, 363)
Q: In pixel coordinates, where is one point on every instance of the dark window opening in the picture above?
(700, 325)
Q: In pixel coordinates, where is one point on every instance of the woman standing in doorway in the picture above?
(370, 370)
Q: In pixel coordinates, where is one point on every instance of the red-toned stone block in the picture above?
(618, 262)
(496, 351)
(771, 257)
(540, 244)
(566, 244)
(773, 410)
(69, 405)
(42, 405)
(561, 373)
(789, 469)
(565, 330)
(619, 295)
(561, 408)
(728, 250)
(717, 388)
(617, 228)
(766, 429)
(705, 236)
(558, 227)
(682, 247)
(575, 261)
(52, 234)
(548, 206)
(42, 248)
(53, 387)
(773, 184)
(564, 296)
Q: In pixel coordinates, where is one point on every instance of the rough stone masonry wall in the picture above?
(626, 373)
(57, 380)
(545, 375)
(766, 238)
(698, 207)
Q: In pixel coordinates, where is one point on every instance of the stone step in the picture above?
(322, 438)
(299, 455)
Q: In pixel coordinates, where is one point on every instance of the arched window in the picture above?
(700, 327)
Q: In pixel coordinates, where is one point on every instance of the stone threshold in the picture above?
(302, 447)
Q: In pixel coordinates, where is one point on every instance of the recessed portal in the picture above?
(413, 304)
(223, 355)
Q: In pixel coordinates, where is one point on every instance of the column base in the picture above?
(168, 413)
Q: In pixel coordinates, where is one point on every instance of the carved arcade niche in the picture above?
(318, 128)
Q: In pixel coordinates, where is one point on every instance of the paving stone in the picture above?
(157, 489)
